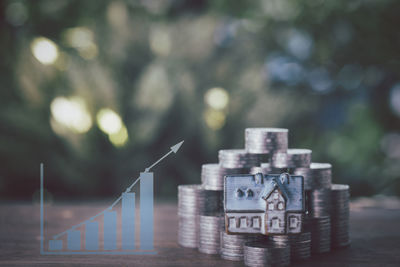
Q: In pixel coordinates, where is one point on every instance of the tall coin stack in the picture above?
(318, 205)
(340, 194)
(189, 199)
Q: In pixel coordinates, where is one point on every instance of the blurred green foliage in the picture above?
(327, 70)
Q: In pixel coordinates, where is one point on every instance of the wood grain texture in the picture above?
(374, 232)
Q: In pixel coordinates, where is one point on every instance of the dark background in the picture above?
(326, 70)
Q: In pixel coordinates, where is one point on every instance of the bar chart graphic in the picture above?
(70, 242)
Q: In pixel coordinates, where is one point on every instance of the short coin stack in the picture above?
(340, 194)
(210, 227)
(300, 244)
(232, 245)
(262, 253)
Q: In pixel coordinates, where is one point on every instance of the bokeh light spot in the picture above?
(300, 44)
(283, 69)
(217, 98)
(160, 41)
(120, 138)
(82, 39)
(44, 50)
(117, 13)
(109, 121)
(214, 119)
(155, 92)
(71, 113)
(320, 80)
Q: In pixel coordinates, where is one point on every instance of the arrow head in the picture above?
(176, 147)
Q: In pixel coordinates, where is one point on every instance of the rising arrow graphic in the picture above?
(174, 149)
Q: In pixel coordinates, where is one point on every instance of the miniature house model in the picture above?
(258, 204)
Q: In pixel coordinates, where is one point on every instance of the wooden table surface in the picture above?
(374, 231)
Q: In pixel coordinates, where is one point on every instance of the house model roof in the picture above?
(248, 193)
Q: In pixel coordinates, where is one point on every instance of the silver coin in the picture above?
(321, 175)
(265, 140)
(237, 158)
(278, 159)
(318, 202)
(298, 158)
(340, 214)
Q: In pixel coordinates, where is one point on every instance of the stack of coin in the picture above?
(278, 159)
(237, 158)
(321, 175)
(188, 234)
(264, 168)
(201, 214)
(211, 201)
(298, 158)
(189, 207)
(318, 202)
(340, 194)
(232, 245)
(212, 175)
(210, 227)
(320, 229)
(279, 240)
(306, 173)
(261, 253)
(300, 244)
(262, 157)
(266, 140)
